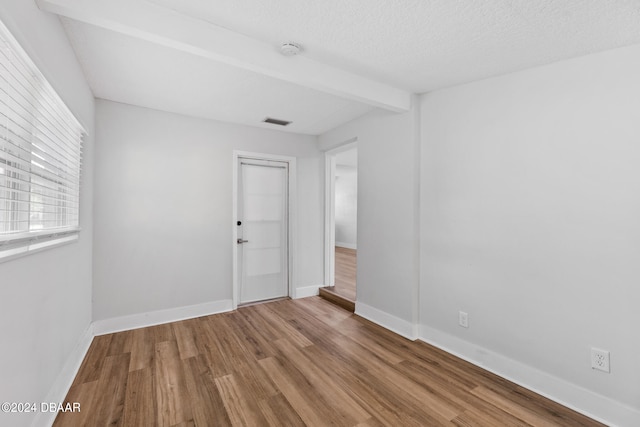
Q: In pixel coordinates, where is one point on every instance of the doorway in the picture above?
(341, 225)
(262, 232)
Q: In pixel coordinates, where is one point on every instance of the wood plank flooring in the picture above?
(345, 279)
(292, 363)
(343, 293)
(330, 295)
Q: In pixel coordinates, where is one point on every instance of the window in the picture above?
(40, 157)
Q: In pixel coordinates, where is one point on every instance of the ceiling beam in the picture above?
(169, 28)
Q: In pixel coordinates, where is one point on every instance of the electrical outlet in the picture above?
(600, 359)
(463, 319)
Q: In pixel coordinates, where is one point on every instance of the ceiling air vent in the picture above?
(277, 121)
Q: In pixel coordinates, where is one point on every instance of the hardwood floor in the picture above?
(343, 293)
(345, 279)
(330, 295)
(292, 363)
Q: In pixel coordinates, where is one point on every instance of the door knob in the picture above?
(240, 241)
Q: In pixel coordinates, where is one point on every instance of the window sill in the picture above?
(23, 247)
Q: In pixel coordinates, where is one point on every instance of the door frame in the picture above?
(330, 208)
(292, 220)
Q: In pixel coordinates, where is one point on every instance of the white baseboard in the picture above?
(65, 378)
(593, 405)
(399, 326)
(307, 291)
(151, 318)
(347, 245)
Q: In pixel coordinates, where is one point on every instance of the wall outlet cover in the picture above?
(463, 319)
(600, 359)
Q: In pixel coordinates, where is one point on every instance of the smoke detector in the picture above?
(290, 49)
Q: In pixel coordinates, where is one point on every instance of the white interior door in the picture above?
(262, 230)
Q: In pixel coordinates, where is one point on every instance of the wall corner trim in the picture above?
(388, 321)
(584, 401)
(152, 318)
(307, 291)
(63, 381)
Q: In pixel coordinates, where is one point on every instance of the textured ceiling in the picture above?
(415, 45)
(136, 72)
(422, 45)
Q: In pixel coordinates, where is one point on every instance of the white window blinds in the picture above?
(40, 151)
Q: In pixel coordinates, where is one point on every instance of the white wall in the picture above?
(346, 206)
(45, 298)
(163, 225)
(387, 215)
(530, 222)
